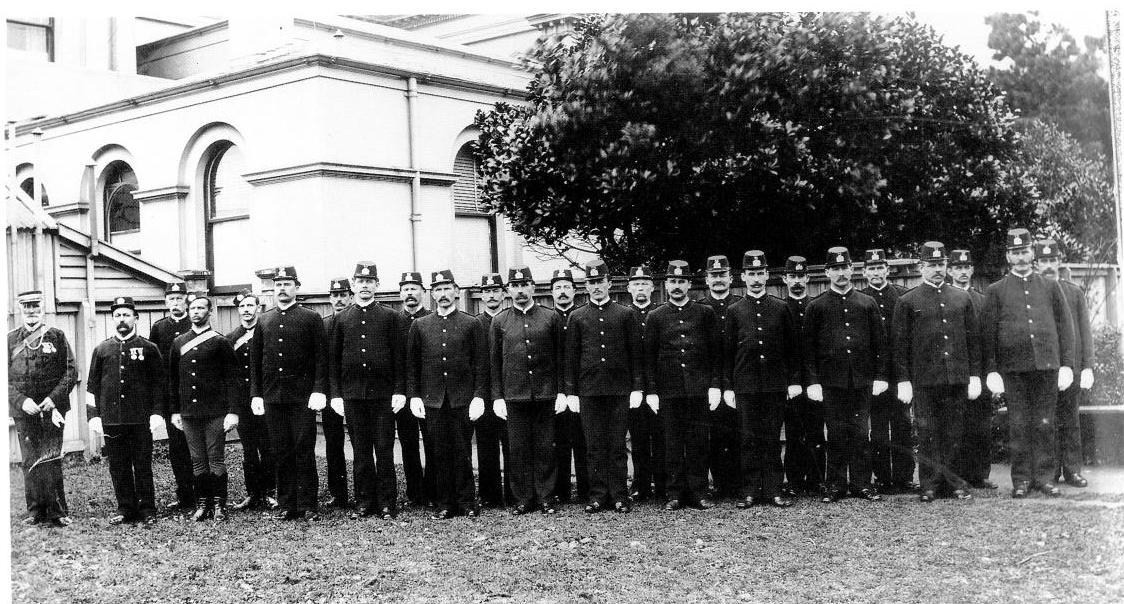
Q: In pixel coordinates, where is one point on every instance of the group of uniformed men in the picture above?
(702, 387)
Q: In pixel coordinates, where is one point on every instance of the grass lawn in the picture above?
(990, 549)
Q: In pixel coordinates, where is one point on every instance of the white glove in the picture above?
(337, 406)
(879, 387)
(155, 423)
(574, 403)
(47, 405)
(1086, 379)
(559, 403)
(1065, 378)
(95, 424)
(995, 383)
(397, 402)
(713, 397)
(653, 401)
(417, 407)
(229, 422)
(975, 389)
(475, 409)
(57, 418)
(729, 399)
(177, 421)
(317, 401)
(905, 392)
(794, 391)
(634, 399)
(257, 405)
(30, 408)
(815, 393)
(499, 407)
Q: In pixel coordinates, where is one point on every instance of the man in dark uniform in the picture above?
(41, 375)
(491, 431)
(803, 418)
(683, 352)
(761, 366)
(1028, 353)
(257, 453)
(975, 450)
(937, 352)
(366, 376)
(569, 439)
(1047, 261)
(340, 296)
(526, 364)
(844, 358)
(410, 437)
(891, 432)
(446, 365)
(289, 361)
(604, 377)
(162, 333)
(724, 459)
(645, 426)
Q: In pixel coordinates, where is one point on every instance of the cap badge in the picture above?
(518, 274)
(717, 263)
(592, 272)
(756, 262)
(281, 272)
(120, 301)
(335, 284)
(839, 258)
(799, 267)
(365, 271)
(678, 270)
(1046, 250)
(963, 257)
(1018, 240)
(936, 253)
(874, 256)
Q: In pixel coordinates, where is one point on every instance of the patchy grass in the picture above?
(992, 548)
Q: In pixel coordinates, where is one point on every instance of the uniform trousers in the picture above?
(409, 439)
(804, 443)
(725, 451)
(41, 447)
(128, 448)
(206, 441)
(1032, 401)
(371, 425)
(179, 456)
(569, 441)
(649, 466)
(605, 424)
(940, 426)
(530, 433)
(891, 440)
(847, 415)
(761, 415)
(686, 427)
(257, 455)
(491, 444)
(450, 432)
(332, 424)
(1069, 430)
(975, 451)
(292, 431)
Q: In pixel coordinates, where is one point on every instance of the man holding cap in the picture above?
(257, 453)
(645, 426)
(724, 458)
(491, 431)
(803, 418)
(419, 488)
(162, 333)
(41, 375)
(1028, 353)
(569, 438)
(340, 296)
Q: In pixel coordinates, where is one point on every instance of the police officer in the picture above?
(127, 400)
(683, 354)
(975, 450)
(844, 358)
(367, 377)
(1047, 261)
(1028, 354)
(491, 431)
(891, 433)
(289, 361)
(202, 375)
(725, 456)
(41, 375)
(410, 437)
(445, 380)
(526, 362)
(162, 333)
(257, 453)
(803, 417)
(645, 426)
(604, 375)
(569, 439)
(340, 296)
(937, 353)
(761, 369)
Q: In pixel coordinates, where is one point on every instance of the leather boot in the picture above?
(203, 500)
(220, 483)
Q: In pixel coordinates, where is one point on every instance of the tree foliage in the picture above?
(657, 136)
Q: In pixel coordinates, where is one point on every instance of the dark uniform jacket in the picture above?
(643, 314)
(486, 321)
(604, 356)
(1026, 326)
(887, 299)
(408, 320)
(761, 350)
(526, 354)
(201, 370)
(683, 350)
(721, 309)
(366, 353)
(240, 340)
(129, 380)
(290, 356)
(1082, 331)
(936, 337)
(162, 333)
(796, 311)
(446, 357)
(844, 343)
(36, 373)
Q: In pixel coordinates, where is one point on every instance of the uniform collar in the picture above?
(250, 327)
(293, 304)
(453, 309)
(879, 289)
(800, 299)
(725, 297)
(967, 289)
(844, 294)
(1028, 276)
(936, 287)
(682, 306)
(750, 294)
(490, 313)
(364, 306)
(603, 304)
(132, 334)
(199, 331)
(638, 307)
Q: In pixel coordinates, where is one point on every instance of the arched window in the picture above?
(466, 191)
(228, 194)
(122, 212)
(227, 201)
(475, 230)
(28, 187)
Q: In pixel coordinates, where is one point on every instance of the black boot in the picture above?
(220, 483)
(203, 500)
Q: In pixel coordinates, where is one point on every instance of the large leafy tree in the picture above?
(659, 136)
